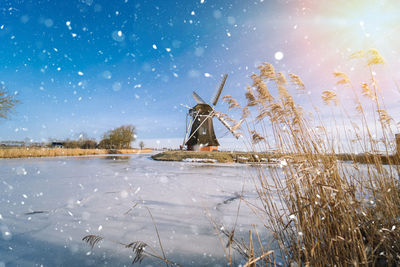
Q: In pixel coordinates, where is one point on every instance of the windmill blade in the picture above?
(231, 129)
(198, 99)
(216, 97)
(185, 106)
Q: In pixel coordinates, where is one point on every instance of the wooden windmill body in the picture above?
(201, 136)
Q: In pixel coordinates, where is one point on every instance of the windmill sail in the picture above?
(231, 129)
(217, 95)
(185, 106)
(198, 99)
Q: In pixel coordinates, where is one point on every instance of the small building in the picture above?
(57, 144)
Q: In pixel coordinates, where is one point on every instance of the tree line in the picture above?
(118, 138)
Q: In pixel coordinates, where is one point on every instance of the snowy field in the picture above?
(48, 205)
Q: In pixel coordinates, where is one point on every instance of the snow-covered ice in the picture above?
(47, 209)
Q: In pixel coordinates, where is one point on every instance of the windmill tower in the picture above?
(200, 135)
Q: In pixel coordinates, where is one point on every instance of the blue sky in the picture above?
(92, 65)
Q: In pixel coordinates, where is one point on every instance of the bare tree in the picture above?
(141, 145)
(7, 102)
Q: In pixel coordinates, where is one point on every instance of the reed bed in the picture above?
(321, 210)
(24, 152)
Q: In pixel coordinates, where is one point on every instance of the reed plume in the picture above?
(322, 210)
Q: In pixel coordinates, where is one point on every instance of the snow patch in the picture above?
(200, 160)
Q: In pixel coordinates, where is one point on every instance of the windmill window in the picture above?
(203, 131)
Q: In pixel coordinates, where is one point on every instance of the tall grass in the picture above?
(323, 211)
(24, 152)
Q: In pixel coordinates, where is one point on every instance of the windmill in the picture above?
(200, 133)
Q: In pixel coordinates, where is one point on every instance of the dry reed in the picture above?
(323, 211)
(139, 248)
(24, 152)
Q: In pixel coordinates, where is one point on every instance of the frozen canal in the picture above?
(47, 205)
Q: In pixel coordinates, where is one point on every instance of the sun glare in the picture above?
(359, 25)
(372, 24)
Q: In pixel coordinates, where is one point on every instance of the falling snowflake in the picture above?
(279, 55)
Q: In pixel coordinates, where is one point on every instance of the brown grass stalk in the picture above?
(25, 152)
(323, 211)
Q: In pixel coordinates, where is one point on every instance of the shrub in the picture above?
(119, 138)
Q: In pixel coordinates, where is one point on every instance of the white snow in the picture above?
(283, 163)
(199, 160)
(116, 86)
(278, 55)
(231, 20)
(217, 14)
(107, 75)
(118, 36)
(48, 23)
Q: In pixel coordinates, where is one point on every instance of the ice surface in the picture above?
(48, 208)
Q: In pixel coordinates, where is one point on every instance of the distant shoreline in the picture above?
(216, 156)
(267, 157)
(29, 152)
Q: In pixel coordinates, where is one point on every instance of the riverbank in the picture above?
(215, 156)
(268, 157)
(26, 152)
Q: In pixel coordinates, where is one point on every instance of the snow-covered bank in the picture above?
(48, 205)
